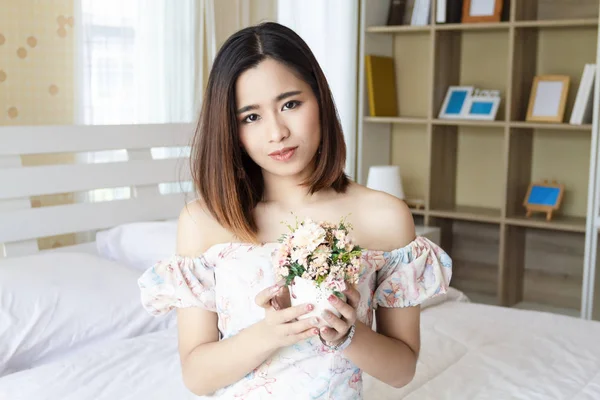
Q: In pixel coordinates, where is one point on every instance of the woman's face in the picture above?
(278, 117)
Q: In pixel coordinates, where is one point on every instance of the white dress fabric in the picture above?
(228, 276)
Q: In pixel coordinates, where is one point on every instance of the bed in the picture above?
(72, 326)
(469, 351)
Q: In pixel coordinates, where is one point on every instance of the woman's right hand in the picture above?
(280, 328)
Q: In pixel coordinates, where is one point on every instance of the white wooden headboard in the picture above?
(21, 225)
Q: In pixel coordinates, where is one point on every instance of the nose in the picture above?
(278, 130)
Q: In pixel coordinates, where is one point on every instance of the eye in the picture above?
(291, 105)
(251, 118)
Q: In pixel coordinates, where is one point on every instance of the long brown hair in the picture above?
(228, 181)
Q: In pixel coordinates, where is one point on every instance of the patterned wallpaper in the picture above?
(36, 62)
(37, 57)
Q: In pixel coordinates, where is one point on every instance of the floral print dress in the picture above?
(227, 277)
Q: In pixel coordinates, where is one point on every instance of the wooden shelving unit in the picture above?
(473, 175)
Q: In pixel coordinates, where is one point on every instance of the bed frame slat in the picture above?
(53, 179)
(64, 219)
(19, 140)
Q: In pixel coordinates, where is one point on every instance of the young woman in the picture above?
(269, 144)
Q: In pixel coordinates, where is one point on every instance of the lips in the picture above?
(284, 154)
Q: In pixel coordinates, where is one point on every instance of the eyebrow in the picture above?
(280, 97)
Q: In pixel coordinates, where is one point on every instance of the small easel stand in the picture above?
(543, 197)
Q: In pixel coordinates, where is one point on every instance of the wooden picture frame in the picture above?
(543, 197)
(482, 11)
(548, 98)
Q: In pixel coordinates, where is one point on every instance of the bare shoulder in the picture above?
(384, 221)
(197, 230)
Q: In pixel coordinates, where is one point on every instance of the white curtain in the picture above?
(137, 61)
(330, 28)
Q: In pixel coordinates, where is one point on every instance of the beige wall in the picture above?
(228, 16)
(36, 62)
(36, 77)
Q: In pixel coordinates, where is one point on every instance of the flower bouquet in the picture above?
(317, 260)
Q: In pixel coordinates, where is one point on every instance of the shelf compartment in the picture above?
(550, 155)
(467, 171)
(397, 120)
(413, 82)
(542, 267)
(470, 58)
(558, 51)
(473, 247)
(409, 149)
(556, 11)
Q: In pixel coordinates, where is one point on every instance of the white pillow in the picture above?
(55, 304)
(138, 244)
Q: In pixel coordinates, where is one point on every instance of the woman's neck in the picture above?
(287, 191)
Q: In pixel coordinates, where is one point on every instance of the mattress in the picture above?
(468, 351)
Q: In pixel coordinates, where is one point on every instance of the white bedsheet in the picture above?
(469, 351)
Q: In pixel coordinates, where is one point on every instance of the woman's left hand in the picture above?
(340, 326)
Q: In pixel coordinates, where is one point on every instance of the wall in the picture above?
(36, 77)
(36, 62)
(230, 18)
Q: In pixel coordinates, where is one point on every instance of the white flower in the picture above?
(300, 255)
(309, 235)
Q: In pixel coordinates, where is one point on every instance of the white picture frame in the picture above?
(455, 102)
(482, 107)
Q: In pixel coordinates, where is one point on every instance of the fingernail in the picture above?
(315, 321)
(333, 298)
(309, 307)
(324, 330)
(315, 331)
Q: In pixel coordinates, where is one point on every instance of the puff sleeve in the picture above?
(412, 274)
(178, 282)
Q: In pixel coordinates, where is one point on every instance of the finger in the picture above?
(329, 334)
(302, 335)
(302, 325)
(263, 298)
(292, 313)
(275, 304)
(353, 296)
(344, 308)
(335, 322)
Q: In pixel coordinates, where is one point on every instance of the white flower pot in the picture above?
(305, 291)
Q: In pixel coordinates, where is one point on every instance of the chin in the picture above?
(287, 170)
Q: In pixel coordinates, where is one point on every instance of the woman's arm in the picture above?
(207, 363)
(391, 353)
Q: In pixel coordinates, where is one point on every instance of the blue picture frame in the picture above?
(482, 107)
(455, 102)
(543, 197)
